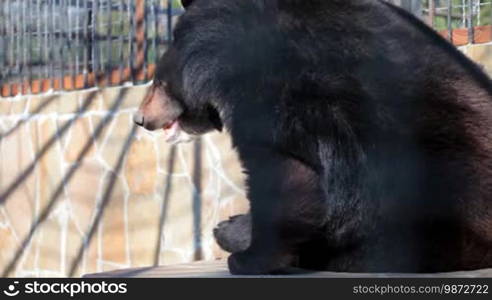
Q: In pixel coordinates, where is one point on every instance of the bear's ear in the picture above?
(186, 3)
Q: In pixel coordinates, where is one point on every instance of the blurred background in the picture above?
(81, 189)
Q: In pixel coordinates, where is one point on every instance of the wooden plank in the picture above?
(14, 89)
(150, 71)
(218, 268)
(5, 91)
(25, 86)
(36, 86)
(46, 85)
(70, 83)
(79, 82)
(482, 34)
(57, 84)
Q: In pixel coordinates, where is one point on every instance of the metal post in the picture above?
(450, 26)
(46, 81)
(4, 29)
(69, 44)
(38, 87)
(109, 39)
(76, 31)
(169, 21)
(140, 39)
(93, 56)
(88, 51)
(130, 39)
(52, 44)
(25, 44)
(155, 40)
(63, 40)
(470, 22)
(121, 41)
(432, 11)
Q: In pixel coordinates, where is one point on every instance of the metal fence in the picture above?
(75, 44)
(465, 21)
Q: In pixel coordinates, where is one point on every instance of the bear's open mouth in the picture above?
(171, 131)
(169, 125)
(174, 134)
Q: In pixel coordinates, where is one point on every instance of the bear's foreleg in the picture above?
(286, 211)
(234, 235)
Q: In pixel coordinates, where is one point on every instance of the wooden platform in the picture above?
(219, 269)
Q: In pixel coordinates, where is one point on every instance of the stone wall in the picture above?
(481, 53)
(84, 191)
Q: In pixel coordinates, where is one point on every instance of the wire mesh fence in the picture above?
(450, 14)
(459, 13)
(75, 44)
(461, 21)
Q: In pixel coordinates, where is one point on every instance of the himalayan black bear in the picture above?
(366, 138)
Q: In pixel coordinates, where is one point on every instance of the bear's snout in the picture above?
(138, 118)
(157, 109)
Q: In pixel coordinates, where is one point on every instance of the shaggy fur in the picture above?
(366, 137)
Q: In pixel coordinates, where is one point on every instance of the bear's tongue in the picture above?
(168, 125)
(171, 131)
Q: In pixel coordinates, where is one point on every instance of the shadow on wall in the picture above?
(70, 203)
(45, 213)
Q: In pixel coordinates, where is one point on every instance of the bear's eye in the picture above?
(160, 83)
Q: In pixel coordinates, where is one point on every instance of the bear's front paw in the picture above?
(234, 235)
(251, 263)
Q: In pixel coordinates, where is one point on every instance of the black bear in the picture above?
(365, 136)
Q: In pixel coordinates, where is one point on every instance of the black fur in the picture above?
(366, 137)
(234, 235)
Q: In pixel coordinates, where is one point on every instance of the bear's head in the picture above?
(174, 102)
(225, 56)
